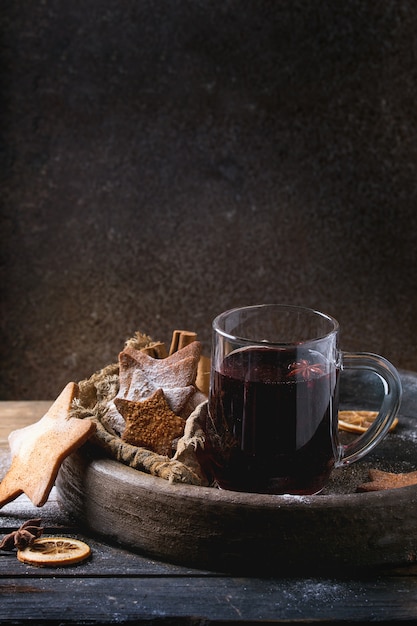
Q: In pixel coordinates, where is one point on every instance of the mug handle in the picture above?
(363, 444)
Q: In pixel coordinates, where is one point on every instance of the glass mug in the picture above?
(272, 423)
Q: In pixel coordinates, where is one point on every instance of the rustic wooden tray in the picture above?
(252, 533)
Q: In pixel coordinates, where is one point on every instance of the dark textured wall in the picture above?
(165, 160)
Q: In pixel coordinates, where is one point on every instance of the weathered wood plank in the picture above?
(22, 509)
(120, 586)
(14, 414)
(106, 561)
(202, 600)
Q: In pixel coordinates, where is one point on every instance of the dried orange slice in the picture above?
(54, 552)
(359, 421)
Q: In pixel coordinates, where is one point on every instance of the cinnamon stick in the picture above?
(203, 374)
(180, 339)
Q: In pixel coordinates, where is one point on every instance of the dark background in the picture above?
(162, 161)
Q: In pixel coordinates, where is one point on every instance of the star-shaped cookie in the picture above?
(150, 423)
(141, 375)
(39, 449)
(380, 480)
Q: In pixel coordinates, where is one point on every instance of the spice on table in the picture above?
(54, 552)
(23, 536)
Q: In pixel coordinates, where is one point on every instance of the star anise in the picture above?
(23, 537)
(305, 369)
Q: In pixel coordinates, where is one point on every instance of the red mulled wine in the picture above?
(270, 420)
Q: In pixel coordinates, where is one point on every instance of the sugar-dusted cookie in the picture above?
(39, 449)
(141, 375)
(150, 423)
(380, 480)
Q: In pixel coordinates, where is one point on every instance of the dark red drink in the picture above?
(271, 432)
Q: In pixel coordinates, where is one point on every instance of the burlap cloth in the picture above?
(94, 402)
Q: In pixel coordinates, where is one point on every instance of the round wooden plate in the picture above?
(225, 530)
(220, 530)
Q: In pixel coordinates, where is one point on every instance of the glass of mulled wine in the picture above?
(272, 423)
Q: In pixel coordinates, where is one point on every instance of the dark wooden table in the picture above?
(118, 586)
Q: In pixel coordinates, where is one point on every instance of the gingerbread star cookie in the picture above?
(150, 423)
(380, 480)
(141, 375)
(39, 449)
